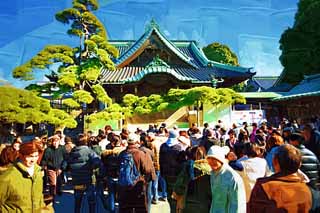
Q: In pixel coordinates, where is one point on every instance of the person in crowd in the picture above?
(170, 163)
(191, 189)
(110, 158)
(144, 146)
(68, 144)
(61, 136)
(227, 188)
(309, 161)
(312, 139)
(155, 144)
(273, 143)
(253, 168)
(21, 183)
(243, 136)
(184, 139)
(284, 191)
(133, 198)
(286, 132)
(16, 143)
(254, 132)
(232, 140)
(235, 129)
(102, 139)
(52, 160)
(8, 156)
(94, 145)
(82, 162)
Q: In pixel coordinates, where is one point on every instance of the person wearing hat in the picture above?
(170, 163)
(227, 188)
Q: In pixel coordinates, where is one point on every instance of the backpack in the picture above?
(129, 174)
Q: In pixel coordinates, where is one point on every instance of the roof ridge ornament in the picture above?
(153, 24)
(157, 62)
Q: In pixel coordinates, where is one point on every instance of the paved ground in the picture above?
(65, 203)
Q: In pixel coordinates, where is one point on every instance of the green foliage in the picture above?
(177, 98)
(300, 45)
(21, 106)
(221, 53)
(69, 102)
(82, 96)
(79, 68)
(101, 94)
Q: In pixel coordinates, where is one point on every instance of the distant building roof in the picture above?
(196, 68)
(309, 86)
(261, 83)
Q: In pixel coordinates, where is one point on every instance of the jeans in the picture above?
(149, 195)
(112, 190)
(163, 184)
(154, 188)
(91, 198)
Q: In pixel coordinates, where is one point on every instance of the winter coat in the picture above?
(170, 164)
(192, 185)
(19, 192)
(53, 158)
(110, 159)
(135, 197)
(280, 193)
(314, 143)
(82, 161)
(309, 165)
(227, 189)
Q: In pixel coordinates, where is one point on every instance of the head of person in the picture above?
(116, 141)
(296, 139)
(8, 155)
(68, 140)
(16, 143)
(58, 133)
(274, 140)
(82, 140)
(133, 139)
(231, 134)
(216, 157)
(55, 141)
(287, 159)
(29, 153)
(307, 131)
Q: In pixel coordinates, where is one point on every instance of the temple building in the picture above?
(153, 64)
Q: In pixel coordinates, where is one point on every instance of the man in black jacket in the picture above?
(52, 160)
(171, 164)
(312, 139)
(309, 162)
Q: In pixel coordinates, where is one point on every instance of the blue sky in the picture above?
(252, 28)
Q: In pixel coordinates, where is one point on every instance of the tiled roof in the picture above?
(310, 86)
(201, 75)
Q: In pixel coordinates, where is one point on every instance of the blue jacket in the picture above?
(228, 192)
(82, 161)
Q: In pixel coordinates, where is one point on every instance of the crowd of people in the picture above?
(260, 168)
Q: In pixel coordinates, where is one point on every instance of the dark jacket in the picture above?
(314, 143)
(110, 159)
(170, 162)
(82, 161)
(309, 165)
(279, 193)
(135, 197)
(193, 185)
(53, 158)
